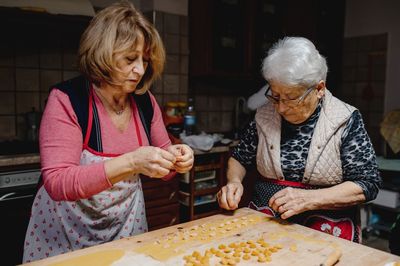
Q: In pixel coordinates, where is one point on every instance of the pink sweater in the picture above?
(61, 147)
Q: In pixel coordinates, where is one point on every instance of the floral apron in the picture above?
(59, 227)
(341, 223)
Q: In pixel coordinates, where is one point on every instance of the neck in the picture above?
(114, 100)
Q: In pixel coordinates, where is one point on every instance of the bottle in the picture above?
(189, 120)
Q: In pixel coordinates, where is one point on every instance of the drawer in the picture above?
(160, 217)
(159, 193)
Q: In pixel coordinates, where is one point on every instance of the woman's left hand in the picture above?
(291, 201)
(184, 157)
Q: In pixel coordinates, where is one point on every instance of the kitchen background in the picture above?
(214, 50)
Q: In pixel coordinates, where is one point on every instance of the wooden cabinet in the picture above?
(229, 38)
(198, 188)
(161, 201)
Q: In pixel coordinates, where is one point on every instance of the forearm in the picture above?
(235, 171)
(119, 168)
(339, 196)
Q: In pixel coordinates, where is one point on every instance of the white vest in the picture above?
(323, 166)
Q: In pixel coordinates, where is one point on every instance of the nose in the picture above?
(139, 68)
(281, 108)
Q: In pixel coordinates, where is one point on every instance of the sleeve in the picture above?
(60, 144)
(245, 152)
(159, 134)
(358, 157)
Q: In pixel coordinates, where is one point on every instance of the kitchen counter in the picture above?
(21, 159)
(219, 235)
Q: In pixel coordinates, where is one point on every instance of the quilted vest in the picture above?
(323, 165)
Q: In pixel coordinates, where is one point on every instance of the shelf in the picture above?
(206, 191)
(200, 168)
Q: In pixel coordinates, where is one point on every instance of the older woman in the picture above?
(313, 153)
(100, 132)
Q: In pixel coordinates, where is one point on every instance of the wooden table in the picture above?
(290, 244)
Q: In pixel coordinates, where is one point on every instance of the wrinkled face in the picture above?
(133, 65)
(298, 111)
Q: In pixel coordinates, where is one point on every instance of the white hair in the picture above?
(294, 61)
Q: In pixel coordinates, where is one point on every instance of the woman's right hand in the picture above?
(152, 161)
(229, 196)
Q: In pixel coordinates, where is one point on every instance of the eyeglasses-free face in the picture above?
(288, 102)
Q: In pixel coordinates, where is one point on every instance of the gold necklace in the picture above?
(117, 112)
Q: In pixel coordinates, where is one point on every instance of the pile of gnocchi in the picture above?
(233, 253)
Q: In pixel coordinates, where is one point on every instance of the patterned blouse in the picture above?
(357, 153)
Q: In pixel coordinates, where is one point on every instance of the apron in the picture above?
(341, 223)
(59, 227)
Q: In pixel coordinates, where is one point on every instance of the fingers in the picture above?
(229, 196)
(184, 157)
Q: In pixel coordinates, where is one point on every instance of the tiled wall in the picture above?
(363, 86)
(173, 30)
(27, 71)
(30, 61)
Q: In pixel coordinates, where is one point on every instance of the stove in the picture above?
(17, 191)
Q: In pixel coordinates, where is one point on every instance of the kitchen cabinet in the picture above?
(198, 188)
(383, 211)
(229, 38)
(161, 201)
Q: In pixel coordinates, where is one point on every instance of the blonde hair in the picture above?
(116, 29)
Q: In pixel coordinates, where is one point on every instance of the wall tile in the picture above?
(157, 86)
(7, 55)
(183, 84)
(349, 59)
(7, 127)
(7, 103)
(214, 103)
(7, 79)
(202, 121)
(27, 57)
(379, 73)
(350, 44)
(362, 59)
(170, 98)
(228, 103)
(70, 74)
(172, 64)
(171, 23)
(171, 43)
(184, 25)
(50, 58)
(184, 64)
(362, 74)
(184, 41)
(27, 79)
(201, 103)
(379, 42)
(214, 122)
(49, 78)
(43, 100)
(159, 22)
(27, 100)
(364, 43)
(227, 121)
(159, 99)
(171, 84)
(70, 59)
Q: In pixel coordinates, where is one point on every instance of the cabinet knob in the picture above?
(172, 195)
(172, 221)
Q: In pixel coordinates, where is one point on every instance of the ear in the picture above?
(321, 89)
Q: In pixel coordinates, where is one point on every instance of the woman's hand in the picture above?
(152, 161)
(229, 196)
(184, 157)
(291, 201)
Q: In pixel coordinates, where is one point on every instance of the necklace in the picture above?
(116, 111)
